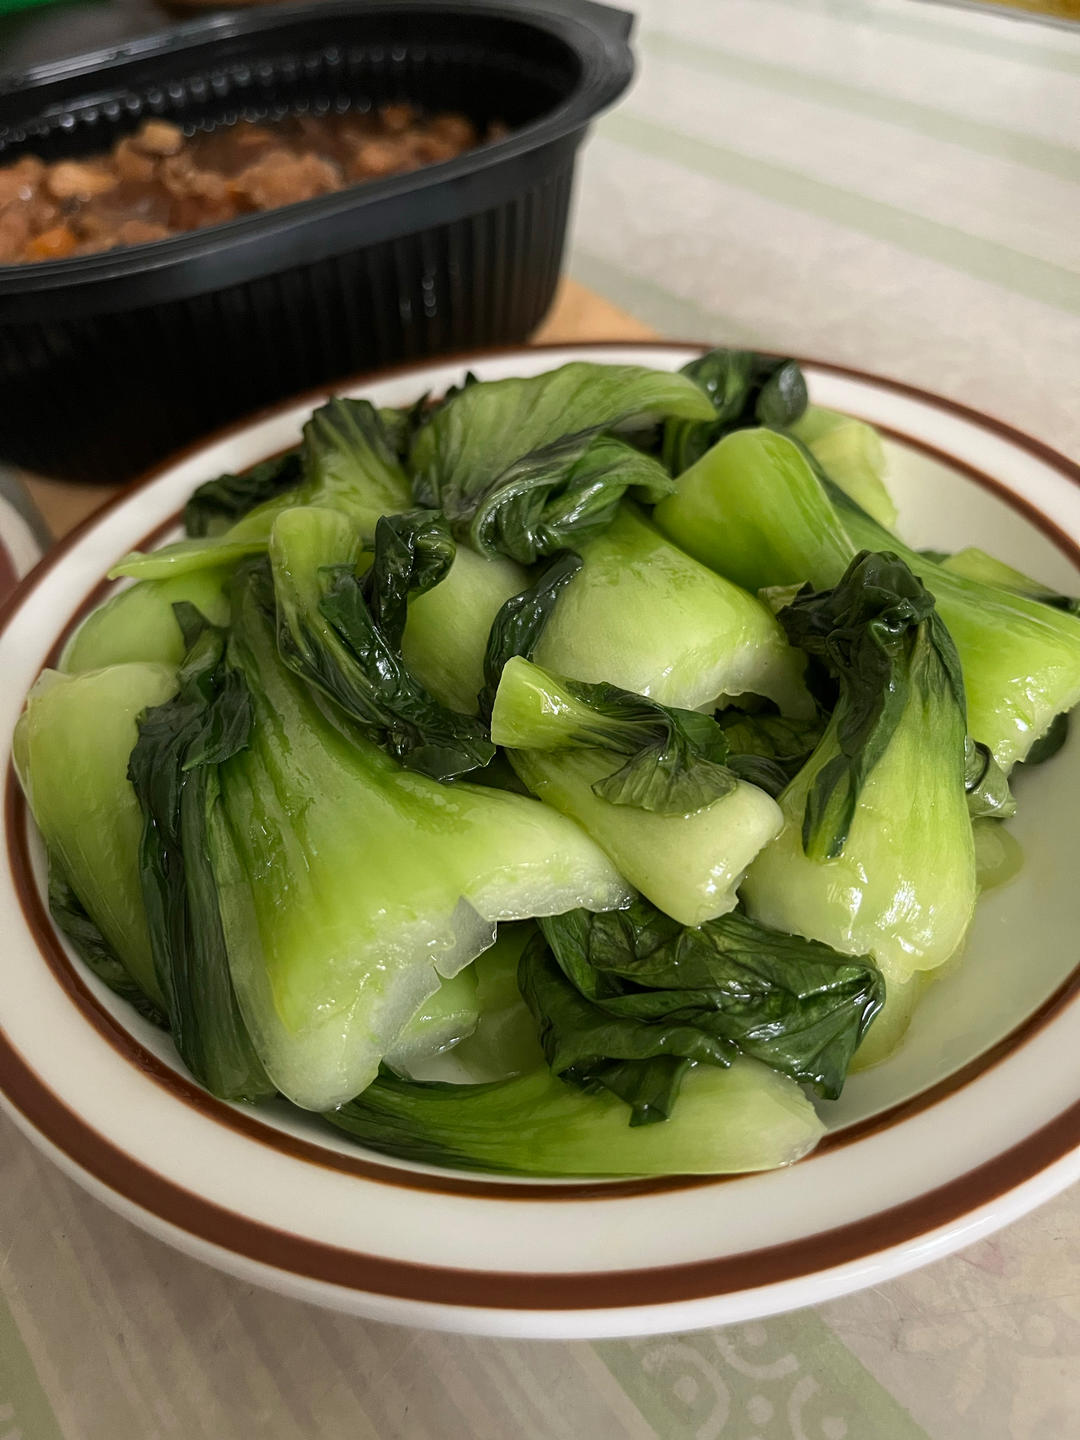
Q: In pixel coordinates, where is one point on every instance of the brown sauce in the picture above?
(160, 182)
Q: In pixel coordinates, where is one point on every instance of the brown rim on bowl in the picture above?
(119, 1171)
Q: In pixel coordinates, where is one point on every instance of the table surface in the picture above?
(876, 182)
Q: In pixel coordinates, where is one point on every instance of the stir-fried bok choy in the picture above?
(571, 774)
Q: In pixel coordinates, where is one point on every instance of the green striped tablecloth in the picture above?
(881, 182)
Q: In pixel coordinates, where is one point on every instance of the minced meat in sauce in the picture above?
(159, 182)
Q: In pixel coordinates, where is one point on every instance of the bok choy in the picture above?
(71, 752)
(140, 623)
(174, 771)
(671, 762)
(746, 1117)
(643, 615)
(347, 464)
(349, 885)
(851, 453)
(746, 389)
(528, 467)
(876, 855)
(1020, 654)
(757, 510)
(342, 631)
(626, 1001)
(591, 726)
(649, 784)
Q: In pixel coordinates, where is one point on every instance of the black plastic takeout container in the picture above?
(108, 361)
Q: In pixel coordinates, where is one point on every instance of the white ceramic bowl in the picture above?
(975, 1119)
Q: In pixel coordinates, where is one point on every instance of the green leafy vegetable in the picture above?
(745, 388)
(557, 496)
(689, 865)
(744, 1118)
(93, 949)
(876, 855)
(975, 564)
(139, 623)
(615, 994)
(217, 504)
(173, 772)
(851, 453)
(986, 785)
(585, 1044)
(524, 467)
(676, 758)
(768, 750)
(520, 622)
(348, 465)
(400, 425)
(755, 509)
(1020, 656)
(71, 752)
(342, 632)
(447, 632)
(641, 614)
(867, 630)
(348, 885)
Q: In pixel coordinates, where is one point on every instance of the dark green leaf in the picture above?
(526, 467)
(650, 1087)
(173, 771)
(92, 947)
(401, 426)
(768, 750)
(471, 378)
(342, 632)
(404, 424)
(532, 1123)
(986, 784)
(745, 389)
(344, 437)
(681, 768)
(633, 985)
(556, 495)
(413, 553)
(380, 692)
(783, 398)
(214, 506)
(879, 634)
(1048, 745)
(520, 622)
(676, 759)
(415, 1119)
(499, 774)
(1069, 603)
(590, 1047)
